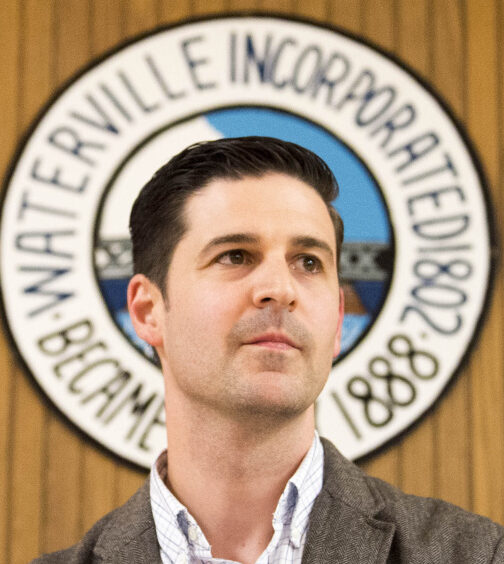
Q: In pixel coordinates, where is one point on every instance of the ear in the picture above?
(145, 305)
(341, 314)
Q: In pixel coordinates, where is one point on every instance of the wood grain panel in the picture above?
(487, 367)
(53, 482)
(412, 32)
(29, 416)
(6, 440)
(203, 7)
(107, 25)
(417, 473)
(96, 472)
(452, 430)
(242, 5)
(378, 22)
(64, 490)
(98, 487)
(285, 6)
(377, 25)
(10, 26)
(316, 9)
(107, 483)
(140, 15)
(127, 481)
(346, 14)
(169, 12)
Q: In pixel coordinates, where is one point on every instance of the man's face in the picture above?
(253, 313)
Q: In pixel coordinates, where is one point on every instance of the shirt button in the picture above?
(182, 559)
(193, 533)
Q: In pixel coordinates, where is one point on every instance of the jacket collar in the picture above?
(343, 523)
(344, 527)
(130, 535)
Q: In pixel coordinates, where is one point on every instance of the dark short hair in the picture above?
(157, 217)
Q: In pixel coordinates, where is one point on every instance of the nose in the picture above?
(274, 285)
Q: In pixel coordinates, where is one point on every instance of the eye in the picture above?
(235, 256)
(309, 263)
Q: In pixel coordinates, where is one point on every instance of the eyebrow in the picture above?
(231, 238)
(304, 241)
(312, 243)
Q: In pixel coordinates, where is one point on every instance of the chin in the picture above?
(274, 404)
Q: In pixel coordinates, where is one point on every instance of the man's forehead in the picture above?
(244, 201)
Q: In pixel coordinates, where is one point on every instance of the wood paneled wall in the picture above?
(53, 483)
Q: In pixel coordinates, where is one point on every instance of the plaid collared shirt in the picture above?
(183, 542)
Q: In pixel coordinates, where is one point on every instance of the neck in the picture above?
(230, 473)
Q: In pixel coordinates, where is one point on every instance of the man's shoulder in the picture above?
(417, 526)
(422, 513)
(429, 525)
(124, 530)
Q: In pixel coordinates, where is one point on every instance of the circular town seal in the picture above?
(415, 262)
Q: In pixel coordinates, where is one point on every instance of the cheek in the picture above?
(209, 311)
(326, 313)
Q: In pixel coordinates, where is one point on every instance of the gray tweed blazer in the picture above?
(356, 519)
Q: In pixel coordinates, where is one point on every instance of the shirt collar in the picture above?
(178, 533)
(176, 529)
(297, 499)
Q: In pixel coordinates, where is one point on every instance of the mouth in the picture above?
(274, 341)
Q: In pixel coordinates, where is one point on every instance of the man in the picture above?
(235, 247)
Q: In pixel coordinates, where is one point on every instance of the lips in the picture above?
(275, 341)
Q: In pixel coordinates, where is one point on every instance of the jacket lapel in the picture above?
(130, 535)
(343, 528)
(340, 534)
(143, 549)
